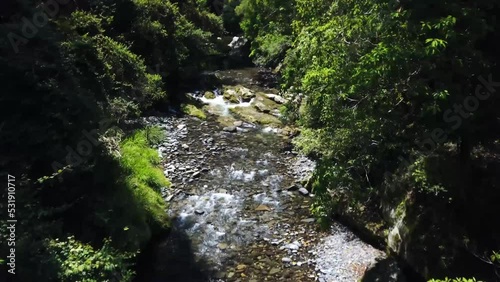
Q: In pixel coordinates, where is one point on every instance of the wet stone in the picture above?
(230, 129)
(222, 246)
(303, 191)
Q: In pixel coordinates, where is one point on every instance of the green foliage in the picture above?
(144, 177)
(455, 280)
(140, 160)
(166, 34)
(113, 73)
(495, 257)
(267, 24)
(81, 262)
(377, 82)
(272, 48)
(68, 90)
(419, 175)
(154, 135)
(230, 19)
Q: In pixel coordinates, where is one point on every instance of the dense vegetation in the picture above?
(88, 187)
(400, 107)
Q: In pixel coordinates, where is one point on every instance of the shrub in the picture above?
(81, 262)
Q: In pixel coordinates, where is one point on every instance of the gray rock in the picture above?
(279, 99)
(261, 107)
(287, 260)
(230, 129)
(243, 130)
(238, 123)
(293, 246)
(237, 42)
(308, 220)
(303, 191)
(276, 98)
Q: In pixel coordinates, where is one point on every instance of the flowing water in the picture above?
(238, 209)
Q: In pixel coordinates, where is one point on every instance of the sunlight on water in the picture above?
(223, 106)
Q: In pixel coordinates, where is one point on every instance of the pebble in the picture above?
(229, 129)
(222, 246)
(263, 208)
(308, 220)
(303, 191)
(274, 270)
(336, 253)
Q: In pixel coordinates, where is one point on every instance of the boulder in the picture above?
(237, 94)
(239, 52)
(276, 98)
(261, 107)
(209, 95)
(231, 96)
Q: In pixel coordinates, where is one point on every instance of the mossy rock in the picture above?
(250, 114)
(290, 131)
(214, 110)
(209, 95)
(194, 111)
(246, 94)
(231, 96)
(226, 120)
(261, 107)
(268, 103)
(237, 94)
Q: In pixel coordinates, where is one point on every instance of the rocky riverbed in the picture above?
(239, 209)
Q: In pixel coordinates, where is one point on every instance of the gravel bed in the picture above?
(341, 256)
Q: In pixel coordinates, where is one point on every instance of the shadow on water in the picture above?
(170, 258)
